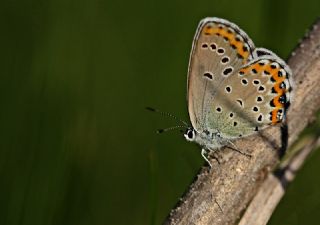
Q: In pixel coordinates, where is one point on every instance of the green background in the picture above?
(77, 146)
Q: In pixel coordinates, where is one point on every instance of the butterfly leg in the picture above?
(216, 157)
(234, 148)
(204, 153)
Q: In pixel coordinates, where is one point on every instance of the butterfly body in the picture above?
(234, 89)
(207, 139)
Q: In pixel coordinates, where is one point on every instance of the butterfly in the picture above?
(234, 89)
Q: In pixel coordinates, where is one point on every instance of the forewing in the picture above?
(220, 49)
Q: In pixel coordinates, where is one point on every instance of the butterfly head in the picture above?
(206, 139)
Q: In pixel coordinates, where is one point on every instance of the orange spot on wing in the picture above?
(226, 34)
(235, 43)
(274, 113)
(267, 69)
(277, 103)
(244, 54)
(257, 67)
(274, 116)
(274, 73)
(244, 70)
(277, 88)
(278, 81)
(208, 30)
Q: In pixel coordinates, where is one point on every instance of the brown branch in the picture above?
(273, 188)
(239, 179)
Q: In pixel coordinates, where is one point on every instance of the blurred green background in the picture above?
(77, 146)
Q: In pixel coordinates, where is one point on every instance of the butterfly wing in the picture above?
(234, 88)
(219, 49)
(257, 95)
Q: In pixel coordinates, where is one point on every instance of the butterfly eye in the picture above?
(190, 134)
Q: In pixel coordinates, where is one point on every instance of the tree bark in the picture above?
(245, 188)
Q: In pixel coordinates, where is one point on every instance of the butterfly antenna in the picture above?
(159, 131)
(168, 115)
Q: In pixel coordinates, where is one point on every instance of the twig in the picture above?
(273, 188)
(238, 179)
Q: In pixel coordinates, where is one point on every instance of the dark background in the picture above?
(77, 146)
